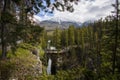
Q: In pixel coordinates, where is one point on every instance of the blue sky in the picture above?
(86, 10)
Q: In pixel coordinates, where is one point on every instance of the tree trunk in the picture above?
(3, 41)
(116, 37)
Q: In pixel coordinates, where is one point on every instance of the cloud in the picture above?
(86, 10)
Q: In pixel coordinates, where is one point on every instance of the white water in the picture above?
(49, 66)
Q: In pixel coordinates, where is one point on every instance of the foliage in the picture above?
(7, 17)
(57, 38)
(29, 34)
(71, 37)
(97, 44)
(43, 39)
(64, 38)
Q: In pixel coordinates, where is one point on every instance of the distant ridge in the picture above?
(51, 25)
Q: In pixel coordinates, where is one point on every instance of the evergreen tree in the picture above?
(57, 38)
(77, 36)
(71, 37)
(64, 38)
(44, 39)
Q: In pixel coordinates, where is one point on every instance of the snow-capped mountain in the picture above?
(53, 23)
(50, 25)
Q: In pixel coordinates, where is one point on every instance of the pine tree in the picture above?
(71, 37)
(116, 35)
(57, 38)
(64, 38)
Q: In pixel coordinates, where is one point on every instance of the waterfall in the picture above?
(49, 66)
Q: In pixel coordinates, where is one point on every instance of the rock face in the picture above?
(35, 52)
(38, 65)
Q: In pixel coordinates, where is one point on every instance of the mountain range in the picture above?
(52, 24)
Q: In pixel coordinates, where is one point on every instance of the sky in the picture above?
(86, 10)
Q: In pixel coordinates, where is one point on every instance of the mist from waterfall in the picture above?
(49, 66)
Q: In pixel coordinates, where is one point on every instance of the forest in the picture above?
(87, 52)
